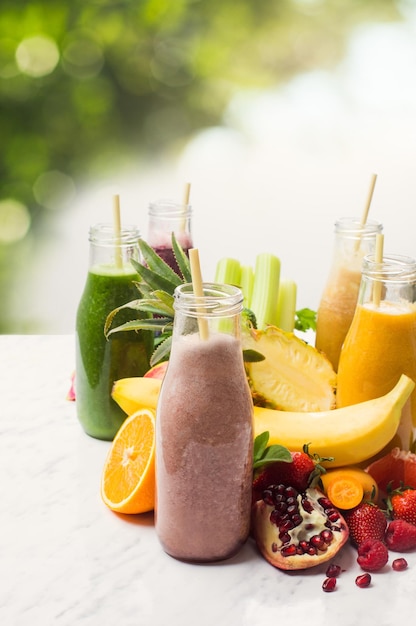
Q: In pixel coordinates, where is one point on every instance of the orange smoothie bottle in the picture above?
(353, 240)
(381, 342)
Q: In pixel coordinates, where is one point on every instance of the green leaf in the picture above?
(252, 356)
(156, 266)
(155, 280)
(162, 352)
(265, 455)
(260, 445)
(182, 260)
(305, 319)
(157, 324)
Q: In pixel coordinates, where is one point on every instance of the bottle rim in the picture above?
(394, 267)
(168, 209)
(219, 300)
(353, 227)
(103, 234)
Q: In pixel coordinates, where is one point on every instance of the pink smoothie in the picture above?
(204, 450)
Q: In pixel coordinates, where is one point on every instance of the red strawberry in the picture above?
(401, 504)
(372, 555)
(300, 473)
(400, 536)
(366, 521)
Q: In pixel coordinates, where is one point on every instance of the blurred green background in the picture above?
(88, 87)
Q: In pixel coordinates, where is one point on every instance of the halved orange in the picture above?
(345, 492)
(128, 478)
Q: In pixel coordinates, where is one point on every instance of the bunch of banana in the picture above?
(349, 434)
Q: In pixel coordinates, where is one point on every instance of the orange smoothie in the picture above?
(379, 347)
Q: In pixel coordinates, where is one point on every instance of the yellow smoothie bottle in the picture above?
(381, 342)
(353, 241)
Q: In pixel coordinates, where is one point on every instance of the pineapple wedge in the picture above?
(293, 376)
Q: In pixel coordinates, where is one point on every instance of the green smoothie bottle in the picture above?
(99, 361)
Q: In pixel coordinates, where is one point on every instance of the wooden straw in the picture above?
(378, 257)
(198, 289)
(186, 193)
(367, 206)
(185, 202)
(117, 230)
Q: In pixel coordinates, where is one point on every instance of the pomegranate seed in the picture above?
(288, 550)
(363, 580)
(268, 496)
(284, 537)
(329, 584)
(333, 570)
(318, 542)
(399, 564)
(325, 503)
(327, 536)
(307, 506)
(333, 515)
(286, 526)
(290, 492)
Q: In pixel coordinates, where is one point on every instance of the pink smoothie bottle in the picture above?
(204, 430)
(167, 217)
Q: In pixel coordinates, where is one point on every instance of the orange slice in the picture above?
(128, 478)
(345, 493)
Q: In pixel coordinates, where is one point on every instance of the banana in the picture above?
(133, 394)
(349, 434)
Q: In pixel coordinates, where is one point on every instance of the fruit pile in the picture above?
(304, 514)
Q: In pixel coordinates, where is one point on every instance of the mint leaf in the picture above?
(265, 455)
(305, 319)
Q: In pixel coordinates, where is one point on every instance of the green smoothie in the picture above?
(101, 361)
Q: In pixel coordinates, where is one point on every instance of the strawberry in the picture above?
(372, 555)
(400, 536)
(366, 521)
(300, 473)
(401, 504)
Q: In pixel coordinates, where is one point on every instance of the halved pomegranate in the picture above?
(297, 530)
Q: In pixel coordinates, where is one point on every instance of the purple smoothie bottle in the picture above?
(167, 217)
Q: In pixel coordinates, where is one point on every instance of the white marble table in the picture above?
(65, 559)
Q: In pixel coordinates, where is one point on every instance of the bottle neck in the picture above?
(353, 241)
(113, 251)
(165, 218)
(219, 308)
(394, 279)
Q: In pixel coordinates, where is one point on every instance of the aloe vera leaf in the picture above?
(161, 352)
(182, 260)
(156, 266)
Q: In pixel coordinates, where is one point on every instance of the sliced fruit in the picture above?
(369, 485)
(128, 478)
(309, 530)
(345, 493)
(293, 376)
(395, 467)
(133, 394)
(157, 371)
(350, 434)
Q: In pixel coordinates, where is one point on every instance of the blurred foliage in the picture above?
(90, 85)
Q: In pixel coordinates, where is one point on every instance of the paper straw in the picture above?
(117, 231)
(198, 290)
(367, 207)
(378, 257)
(185, 202)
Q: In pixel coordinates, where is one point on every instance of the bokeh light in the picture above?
(14, 221)
(37, 56)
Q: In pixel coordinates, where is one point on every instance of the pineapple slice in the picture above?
(293, 376)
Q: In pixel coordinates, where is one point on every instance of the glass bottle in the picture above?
(100, 361)
(381, 342)
(167, 217)
(204, 430)
(353, 241)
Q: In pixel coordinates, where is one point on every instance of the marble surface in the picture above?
(65, 559)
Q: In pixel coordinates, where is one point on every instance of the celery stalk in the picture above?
(247, 282)
(265, 289)
(228, 272)
(286, 305)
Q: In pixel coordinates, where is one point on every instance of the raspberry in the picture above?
(400, 536)
(372, 555)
